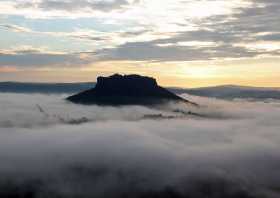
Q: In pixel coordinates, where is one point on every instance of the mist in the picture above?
(52, 148)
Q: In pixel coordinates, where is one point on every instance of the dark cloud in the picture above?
(149, 51)
(153, 51)
(76, 5)
(34, 58)
(270, 37)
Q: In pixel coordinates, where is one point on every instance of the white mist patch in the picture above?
(35, 110)
(234, 151)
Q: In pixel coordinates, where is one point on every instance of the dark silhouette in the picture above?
(125, 90)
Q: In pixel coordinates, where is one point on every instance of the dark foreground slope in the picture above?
(125, 90)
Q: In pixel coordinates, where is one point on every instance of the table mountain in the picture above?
(125, 90)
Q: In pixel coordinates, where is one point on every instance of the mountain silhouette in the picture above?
(125, 90)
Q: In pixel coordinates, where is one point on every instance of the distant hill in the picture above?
(232, 91)
(44, 88)
(222, 92)
(125, 90)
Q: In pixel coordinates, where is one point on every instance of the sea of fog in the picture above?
(52, 148)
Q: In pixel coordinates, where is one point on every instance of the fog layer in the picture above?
(52, 148)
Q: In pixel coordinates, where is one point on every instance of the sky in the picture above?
(182, 43)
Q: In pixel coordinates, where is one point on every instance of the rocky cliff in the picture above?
(125, 90)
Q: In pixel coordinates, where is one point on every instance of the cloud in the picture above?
(232, 36)
(79, 34)
(63, 8)
(71, 5)
(169, 31)
(165, 52)
(29, 57)
(15, 28)
(234, 153)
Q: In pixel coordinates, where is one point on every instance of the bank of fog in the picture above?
(231, 151)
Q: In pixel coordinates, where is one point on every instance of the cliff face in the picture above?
(125, 85)
(125, 90)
